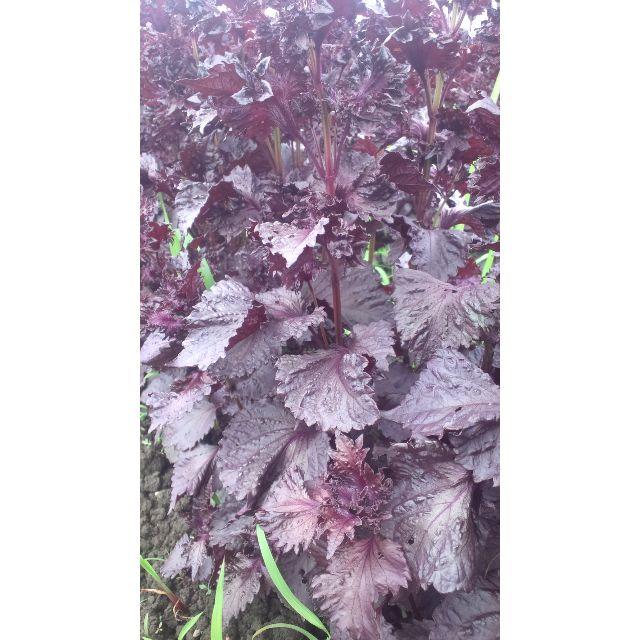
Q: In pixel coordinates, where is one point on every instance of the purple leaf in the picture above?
(190, 472)
(328, 388)
(356, 579)
(286, 318)
(288, 240)
(188, 554)
(215, 320)
(375, 340)
(177, 560)
(290, 515)
(187, 430)
(468, 615)
(199, 561)
(404, 173)
(431, 314)
(286, 312)
(451, 393)
(478, 450)
(229, 524)
(430, 507)
(168, 403)
(439, 252)
(253, 440)
(189, 202)
(241, 584)
(153, 347)
(362, 299)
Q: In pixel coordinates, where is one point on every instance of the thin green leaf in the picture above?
(284, 625)
(458, 227)
(188, 624)
(384, 276)
(164, 209)
(175, 246)
(282, 586)
(488, 263)
(146, 565)
(205, 273)
(216, 616)
(146, 638)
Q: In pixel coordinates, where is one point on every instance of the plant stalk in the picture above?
(335, 290)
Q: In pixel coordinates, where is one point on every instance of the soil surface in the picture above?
(158, 534)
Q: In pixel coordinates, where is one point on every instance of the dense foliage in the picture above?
(319, 278)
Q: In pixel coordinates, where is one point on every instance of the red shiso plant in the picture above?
(319, 301)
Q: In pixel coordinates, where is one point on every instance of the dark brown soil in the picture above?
(158, 534)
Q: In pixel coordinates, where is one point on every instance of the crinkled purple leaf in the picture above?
(290, 515)
(285, 309)
(155, 344)
(439, 252)
(252, 441)
(215, 320)
(190, 471)
(258, 385)
(468, 615)
(392, 386)
(430, 507)
(222, 81)
(188, 554)
(254, 352)
(478, 450)
(189, 201)
(431, 314)
(329, 388)
(199, 560)
(487, 524)
(375, 340)
(187, 430)
(362, 299)
(286, 318)
(177, 559)
(241, 584)
(288, 240)
(229, 523)
(308, 450)
(450, 394)
(404, 173)
(167, 405)
(338, 523)
(245, 183)
(356, 579)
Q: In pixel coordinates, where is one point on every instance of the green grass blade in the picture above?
(283, 587)
(175, 246)
(488, 263)
(165, 215)
(284, 625)
(205, 273)
(146, 565)
(384, 276)
(191, 622)
(216, 616)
